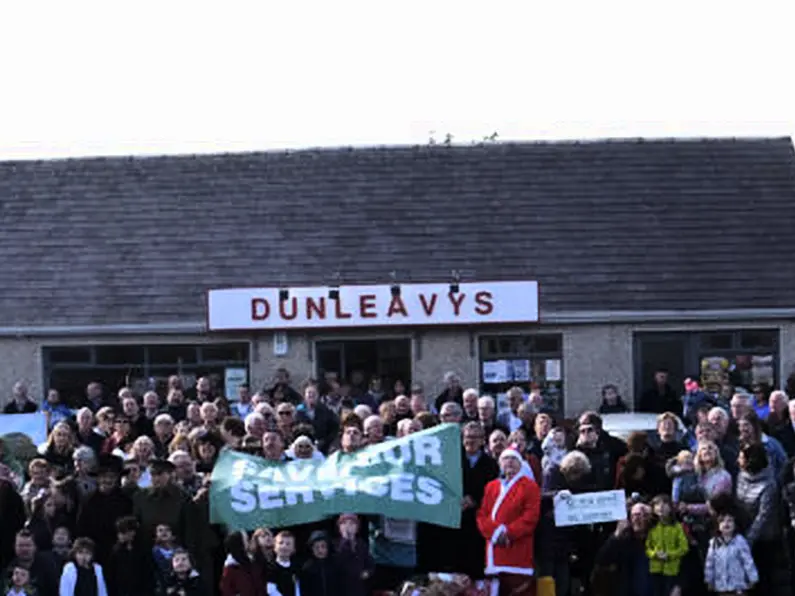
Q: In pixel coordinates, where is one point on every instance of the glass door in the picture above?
(330, 358)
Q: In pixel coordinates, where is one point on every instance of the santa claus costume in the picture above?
(511, 508)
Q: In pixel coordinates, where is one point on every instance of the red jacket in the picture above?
(512, 509)
(242, 581)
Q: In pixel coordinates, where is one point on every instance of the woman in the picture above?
(142, 453)
(749, 428)
(519, 440)
(242, 576)
(758, 497)
(541, 427)
(713, 479)
(59, 448)
(205, 447)
(507, 519)
(388, 414)
(638, 471)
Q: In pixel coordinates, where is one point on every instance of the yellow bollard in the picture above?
(545, 586)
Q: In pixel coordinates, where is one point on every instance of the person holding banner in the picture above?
(507, 519)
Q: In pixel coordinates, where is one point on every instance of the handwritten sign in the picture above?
(590, 508)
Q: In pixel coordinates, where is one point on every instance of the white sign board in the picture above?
(233, 379)
(244, 309)
(33, 425)
(590, 508)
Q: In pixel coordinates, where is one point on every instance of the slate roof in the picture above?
(612, 225)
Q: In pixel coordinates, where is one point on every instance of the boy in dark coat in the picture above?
(319, 575)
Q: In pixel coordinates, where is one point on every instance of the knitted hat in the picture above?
(317, 536)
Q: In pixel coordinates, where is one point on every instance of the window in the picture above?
(173, 355)
(224, 353)
(717, 341)
(523, 360)
(74, 355)
(119, 355)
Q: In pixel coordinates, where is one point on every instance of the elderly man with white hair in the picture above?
(727, 442)
(781, 422)
(487, 415)
(185, 472)
(373, 429)
(470, 405)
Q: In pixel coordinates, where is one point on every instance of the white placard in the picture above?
(552, 370)
(497, 371)
(233, 379)
(243, 309)
(590, 508)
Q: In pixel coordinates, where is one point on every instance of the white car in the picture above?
(622, 425)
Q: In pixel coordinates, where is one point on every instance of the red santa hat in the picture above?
(512, 451)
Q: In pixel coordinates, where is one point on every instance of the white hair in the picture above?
(252, 419)
(371, 419)
(160, 418)
(471, 391)
(363, 411)
(486, 400)
(179, 454)
(450, 376)
(718, 411)
(781, 394)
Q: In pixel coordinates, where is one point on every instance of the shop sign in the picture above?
(243, 309)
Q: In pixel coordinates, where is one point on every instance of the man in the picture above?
(478, 470)
(452, 392)
(44, 574)
(661, 397)
(511, 419)
(470, 405)
(243, 407)
(451, 412)
(727, 443)
(281, 386)
(601, 449)
(273, 446)
(98, 513)
(140, 425)
(164, 502)
(163, 434)
(419, 403)
(20, 402)
(488, 417)
(185, 472)
(324, 422)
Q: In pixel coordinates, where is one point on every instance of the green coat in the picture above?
(671, 540)
(171, 506)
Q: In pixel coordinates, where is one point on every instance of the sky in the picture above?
(89, 78)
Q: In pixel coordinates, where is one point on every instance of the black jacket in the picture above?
(658, 402)
(324, 422)
(320, 577)
(97, 517)
(129, 571)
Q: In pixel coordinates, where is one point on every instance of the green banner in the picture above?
(417, 477)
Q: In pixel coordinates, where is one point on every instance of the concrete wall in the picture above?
(593, 355)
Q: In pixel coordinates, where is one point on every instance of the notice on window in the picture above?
(590, 508)
(552, 370)
(497, 371)
(233, 379)
(762, 369)
(521, 370)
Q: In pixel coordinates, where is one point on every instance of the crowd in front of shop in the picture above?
(116, 502)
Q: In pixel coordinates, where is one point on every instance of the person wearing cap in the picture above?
(97, 516)
(507, 519)
(164, 502)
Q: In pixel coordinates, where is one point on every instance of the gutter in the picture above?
(547, 318)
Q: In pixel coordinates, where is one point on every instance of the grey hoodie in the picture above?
(757, 496)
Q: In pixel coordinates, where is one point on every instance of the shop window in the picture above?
(524, 361)
(113, 354)
(172, 354)
(224, 353)
(758, 339)
(717, 341)
(68, 355)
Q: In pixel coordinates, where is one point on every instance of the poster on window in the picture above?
(497, 371)
(762, 370)
(714, 373)
(521, 370)
(233, 379)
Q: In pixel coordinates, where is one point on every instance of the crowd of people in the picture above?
(116, 502)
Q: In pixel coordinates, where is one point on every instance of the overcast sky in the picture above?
(85, 78)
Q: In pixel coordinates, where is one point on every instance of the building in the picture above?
(645, 254)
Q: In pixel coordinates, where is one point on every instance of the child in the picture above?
(352, 557)
(20, 582)
(130, 569)
(163, 551)
(666, 545)
(261, 546)
(554, 447)
(183, 580)
(685, 480)
(729, 567)
(319, 575)
(283, 572)
(61, 546)
(81, 575)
